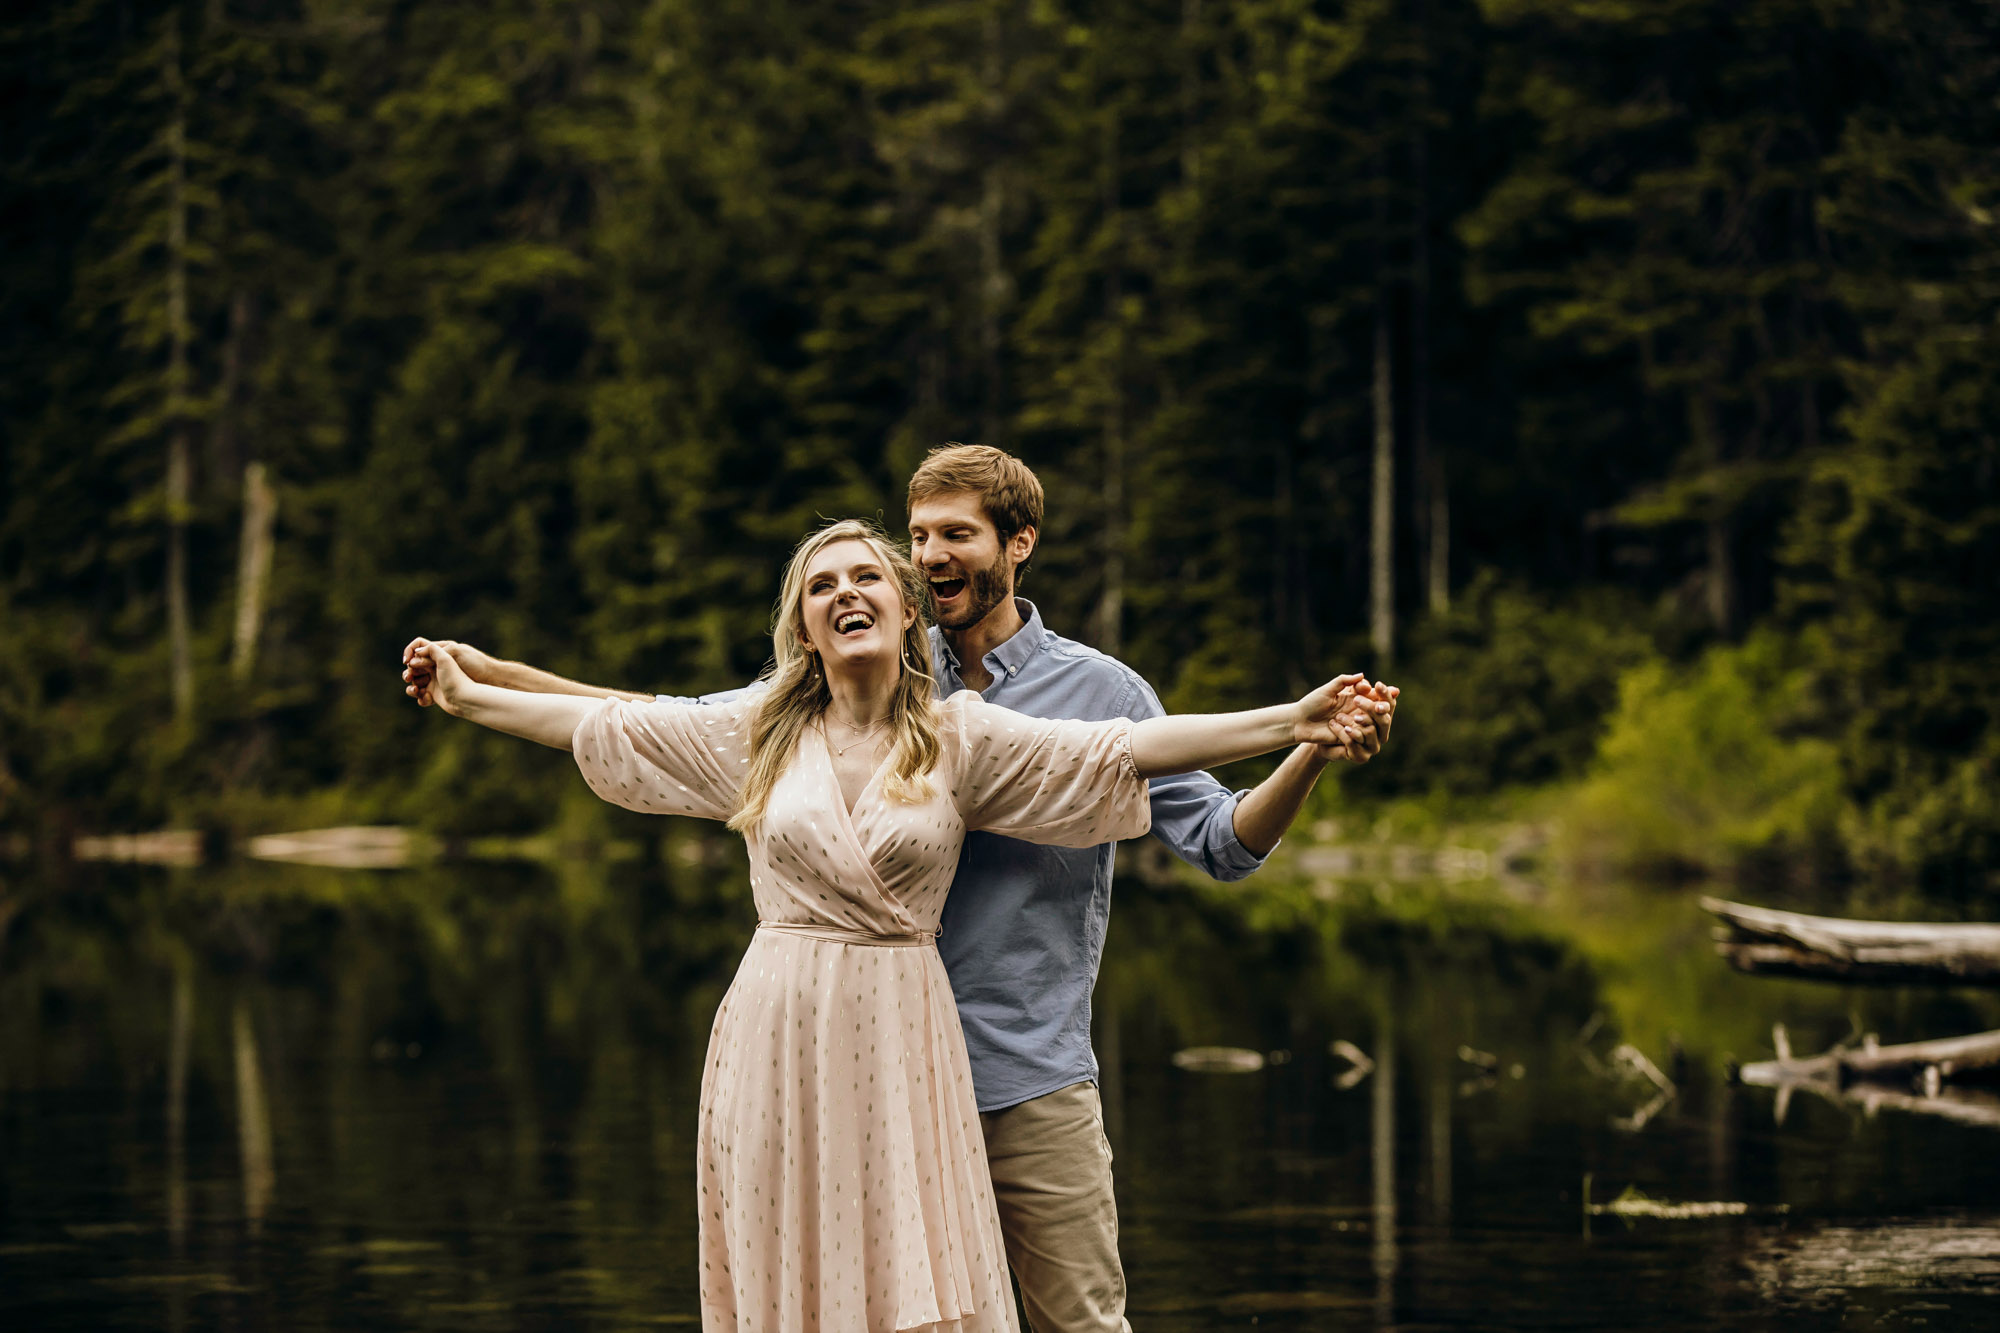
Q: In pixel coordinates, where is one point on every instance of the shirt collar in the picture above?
(1010, 657)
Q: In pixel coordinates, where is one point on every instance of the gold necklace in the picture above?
(840, 751)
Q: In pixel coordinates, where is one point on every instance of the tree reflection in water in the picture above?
(464, 1096)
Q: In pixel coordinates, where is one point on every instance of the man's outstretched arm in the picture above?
(1268, 809)
(487, 670)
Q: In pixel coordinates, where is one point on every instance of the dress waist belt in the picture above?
(842, 935)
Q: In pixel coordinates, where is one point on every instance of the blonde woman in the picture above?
(841, 1171)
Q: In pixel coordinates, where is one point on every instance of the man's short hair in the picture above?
(1007, 488)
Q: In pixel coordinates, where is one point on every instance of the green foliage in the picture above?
(1511, 689)
(557, 324)
(1705, 769)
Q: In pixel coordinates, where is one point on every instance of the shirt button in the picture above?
(1013, 671)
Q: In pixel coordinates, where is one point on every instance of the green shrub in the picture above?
(1704, 768)
(1509, 689)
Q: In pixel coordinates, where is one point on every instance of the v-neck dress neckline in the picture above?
(832, 757)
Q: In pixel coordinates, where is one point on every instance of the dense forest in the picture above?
(1621, 377)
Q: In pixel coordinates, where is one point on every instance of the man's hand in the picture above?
(1370, 717)
(445, 680)
(419, 674)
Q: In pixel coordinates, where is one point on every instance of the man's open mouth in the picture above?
(946, 588)
(853, 622)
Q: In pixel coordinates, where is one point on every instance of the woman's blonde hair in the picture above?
(798, 695)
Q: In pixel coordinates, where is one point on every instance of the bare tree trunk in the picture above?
(993, 285)
(1190, 93)
(1111, 609)
(1434, 509)
(253, 566)
(224, 438)
(1382, 527)
(1440, 533)
(180, 464)
(1721, 575)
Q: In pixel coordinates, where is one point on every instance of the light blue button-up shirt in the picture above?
(1023, 928)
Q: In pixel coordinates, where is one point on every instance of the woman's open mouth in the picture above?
(853, 622)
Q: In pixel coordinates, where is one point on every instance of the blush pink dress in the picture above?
(841, 1170)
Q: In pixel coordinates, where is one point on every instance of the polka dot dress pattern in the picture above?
(841, 1172)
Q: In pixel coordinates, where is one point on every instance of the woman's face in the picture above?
(853, 612)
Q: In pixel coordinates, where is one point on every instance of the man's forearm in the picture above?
(534, 680)
(1269, 808)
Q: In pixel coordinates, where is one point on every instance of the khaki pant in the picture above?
(1052, 1179)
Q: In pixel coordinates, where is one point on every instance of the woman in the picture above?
(841, 1171)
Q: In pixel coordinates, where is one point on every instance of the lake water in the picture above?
(463, 1098)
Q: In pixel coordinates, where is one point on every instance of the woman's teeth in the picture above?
(852, 621)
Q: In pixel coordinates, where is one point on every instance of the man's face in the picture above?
(968, 568)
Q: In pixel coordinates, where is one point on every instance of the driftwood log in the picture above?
(1915, 1063)
(1761, 940)
(1923, 1077)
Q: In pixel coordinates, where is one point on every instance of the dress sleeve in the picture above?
(1066, 783)
(667, 758)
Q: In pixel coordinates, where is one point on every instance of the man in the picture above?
(1023, 929)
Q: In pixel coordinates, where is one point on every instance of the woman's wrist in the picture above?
(471, 699)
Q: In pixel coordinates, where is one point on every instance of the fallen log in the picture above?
(1918, 1063)
(1769, 942)
(1923, 1077)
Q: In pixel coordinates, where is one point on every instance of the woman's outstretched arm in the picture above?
(488, 670)
(1327, 716)
(549, 719)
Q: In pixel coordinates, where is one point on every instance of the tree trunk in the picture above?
(224, 438)
(253, 566)
(1440, 534)
(1190, 93)
(1111, 608)
(1721, 575)
(1433, 510)
(180, 465)
(1382, 527)
(1757, 939)
(993, 285)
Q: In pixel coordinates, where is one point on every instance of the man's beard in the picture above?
(984, 589)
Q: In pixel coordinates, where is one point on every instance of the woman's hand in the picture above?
(1330, 715)
(435, 676)
(1370, 715)
(417, 670)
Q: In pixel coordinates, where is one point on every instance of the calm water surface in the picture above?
(464, 1098)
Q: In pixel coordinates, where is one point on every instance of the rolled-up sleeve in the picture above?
(1193, 813)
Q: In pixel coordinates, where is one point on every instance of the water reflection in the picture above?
(463, 1097)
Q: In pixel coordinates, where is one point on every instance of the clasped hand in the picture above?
(437, 671)
(1346, 718)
